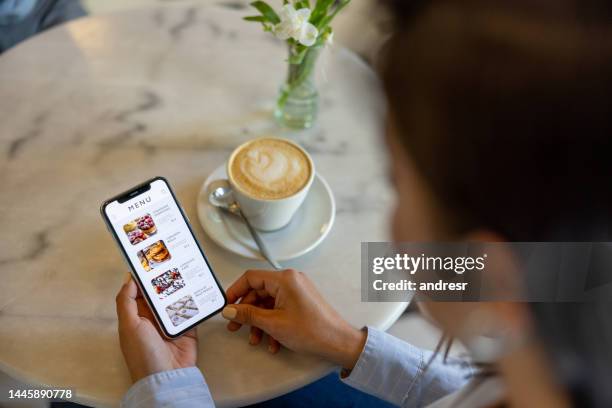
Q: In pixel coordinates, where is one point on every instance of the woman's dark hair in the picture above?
(506, 110)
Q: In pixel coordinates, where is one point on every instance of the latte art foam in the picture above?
(270, 169)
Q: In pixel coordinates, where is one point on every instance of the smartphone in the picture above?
(166, 260)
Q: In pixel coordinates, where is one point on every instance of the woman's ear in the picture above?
(502, 280)
(483, 236)
(502, 277)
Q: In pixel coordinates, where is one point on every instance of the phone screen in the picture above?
(172, 270)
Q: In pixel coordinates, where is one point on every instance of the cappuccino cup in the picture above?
(270, 177)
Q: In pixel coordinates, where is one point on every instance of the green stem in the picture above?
(298, 74)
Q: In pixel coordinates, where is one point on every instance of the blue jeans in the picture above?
(327, 392)
(46, 14)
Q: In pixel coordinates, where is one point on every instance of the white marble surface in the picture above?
(92, 108)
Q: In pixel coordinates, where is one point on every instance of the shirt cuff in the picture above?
(382, 363)
(392, 370)
(183, 387)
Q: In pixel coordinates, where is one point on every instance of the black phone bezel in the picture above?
(140, 188)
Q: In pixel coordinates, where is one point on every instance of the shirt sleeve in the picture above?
(392, 369)
(181, 388)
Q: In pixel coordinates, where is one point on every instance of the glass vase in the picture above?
(297, 106)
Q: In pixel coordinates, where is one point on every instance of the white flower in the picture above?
(294, 24)
(330, 39)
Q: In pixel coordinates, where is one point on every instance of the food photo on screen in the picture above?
(167, 283)
(154, 255)
(182, 310)
(140, 229)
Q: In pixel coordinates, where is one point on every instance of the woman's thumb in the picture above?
(249, 315)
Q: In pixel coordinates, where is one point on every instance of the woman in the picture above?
(499, 130)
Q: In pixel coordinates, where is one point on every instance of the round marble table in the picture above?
(96, 106)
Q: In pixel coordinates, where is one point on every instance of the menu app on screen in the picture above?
(171, 269)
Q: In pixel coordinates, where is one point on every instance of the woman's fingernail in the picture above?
(128, 277)
(252, 339)
(229, 312)
(271, 349)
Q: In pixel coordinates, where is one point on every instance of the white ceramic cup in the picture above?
(269, 215)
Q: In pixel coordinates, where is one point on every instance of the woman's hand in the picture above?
(287, 306)
(145, 349)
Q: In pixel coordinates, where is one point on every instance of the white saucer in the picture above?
(309, 226)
